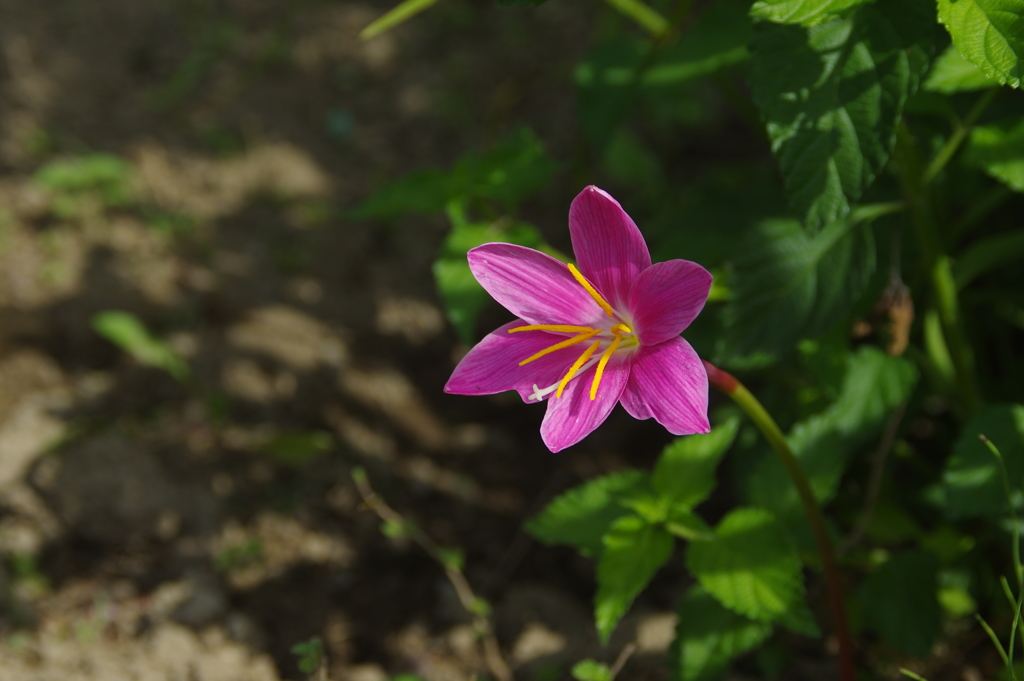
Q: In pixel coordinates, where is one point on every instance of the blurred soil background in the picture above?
(194, 163)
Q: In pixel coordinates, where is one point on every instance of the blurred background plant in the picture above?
(233, 237)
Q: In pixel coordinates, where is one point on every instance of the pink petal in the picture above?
(573, 416)
(532, 285)
(609, 249)
(666, 297)
(668, 381)
(492, 366)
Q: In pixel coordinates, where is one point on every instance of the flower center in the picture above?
(617, 335)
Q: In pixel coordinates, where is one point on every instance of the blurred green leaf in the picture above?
(717, 39)
(124, 330)
(581, 516)
(805, 12)
(462, 295)
(990, 33)
(899, 602)
(633, 551)
(310, 654)
(873, 386)
(971, 476)
(999, 150)
(752, 569)
(710, 636)
(685, 472)
(297, 448)
(511, 171)
(591, 670)
(105, 174)
(832, 96)
(951, 73)
(790, 285)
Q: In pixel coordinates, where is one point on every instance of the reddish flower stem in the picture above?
(728, 384)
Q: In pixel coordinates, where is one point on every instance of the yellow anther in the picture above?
(605, 356)
(621, 328)
(576, 367)
(591, 290)
(557, 328)
(564, 344)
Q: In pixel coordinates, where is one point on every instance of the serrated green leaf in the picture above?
(790, 285)
(685, 473)
(990, 33)
(126, 331)
(999, 149)
(832, 95)
(900, 602)
(951, 73)
(804, 12)
(874, 384)
(750, 567)
(581, 516)
(972, 477)
(633, 551)
(710, 636)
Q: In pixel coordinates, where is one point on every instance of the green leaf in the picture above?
(990, 33)
(512, 170)
(710, 636)
(124, 330)
(804, 12)
(951, 73)
(685, 473)
(999, 149)
(900, 602)
(104, 173)
(832, 96)
(633, 551)
(751, 569)
(873, 386)
(591, 670)
(790, 285)
(581, 516)
(687, 525)
(972, 478)
(462, 295)
(717, 39)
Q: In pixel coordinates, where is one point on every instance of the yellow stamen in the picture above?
(557, 328)
(558, 346)
(576, 367)
(621, 328)
(591, 290)
(605, 356)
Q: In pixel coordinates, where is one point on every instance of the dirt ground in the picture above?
(160, 530)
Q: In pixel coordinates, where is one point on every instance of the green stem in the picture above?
(960, 132)
(833, 581)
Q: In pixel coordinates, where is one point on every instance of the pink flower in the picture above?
(592, 337)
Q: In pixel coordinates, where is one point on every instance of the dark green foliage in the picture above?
(972, 479)
(899, 602)
(832, 96)
(709, 636)
(791, 285)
